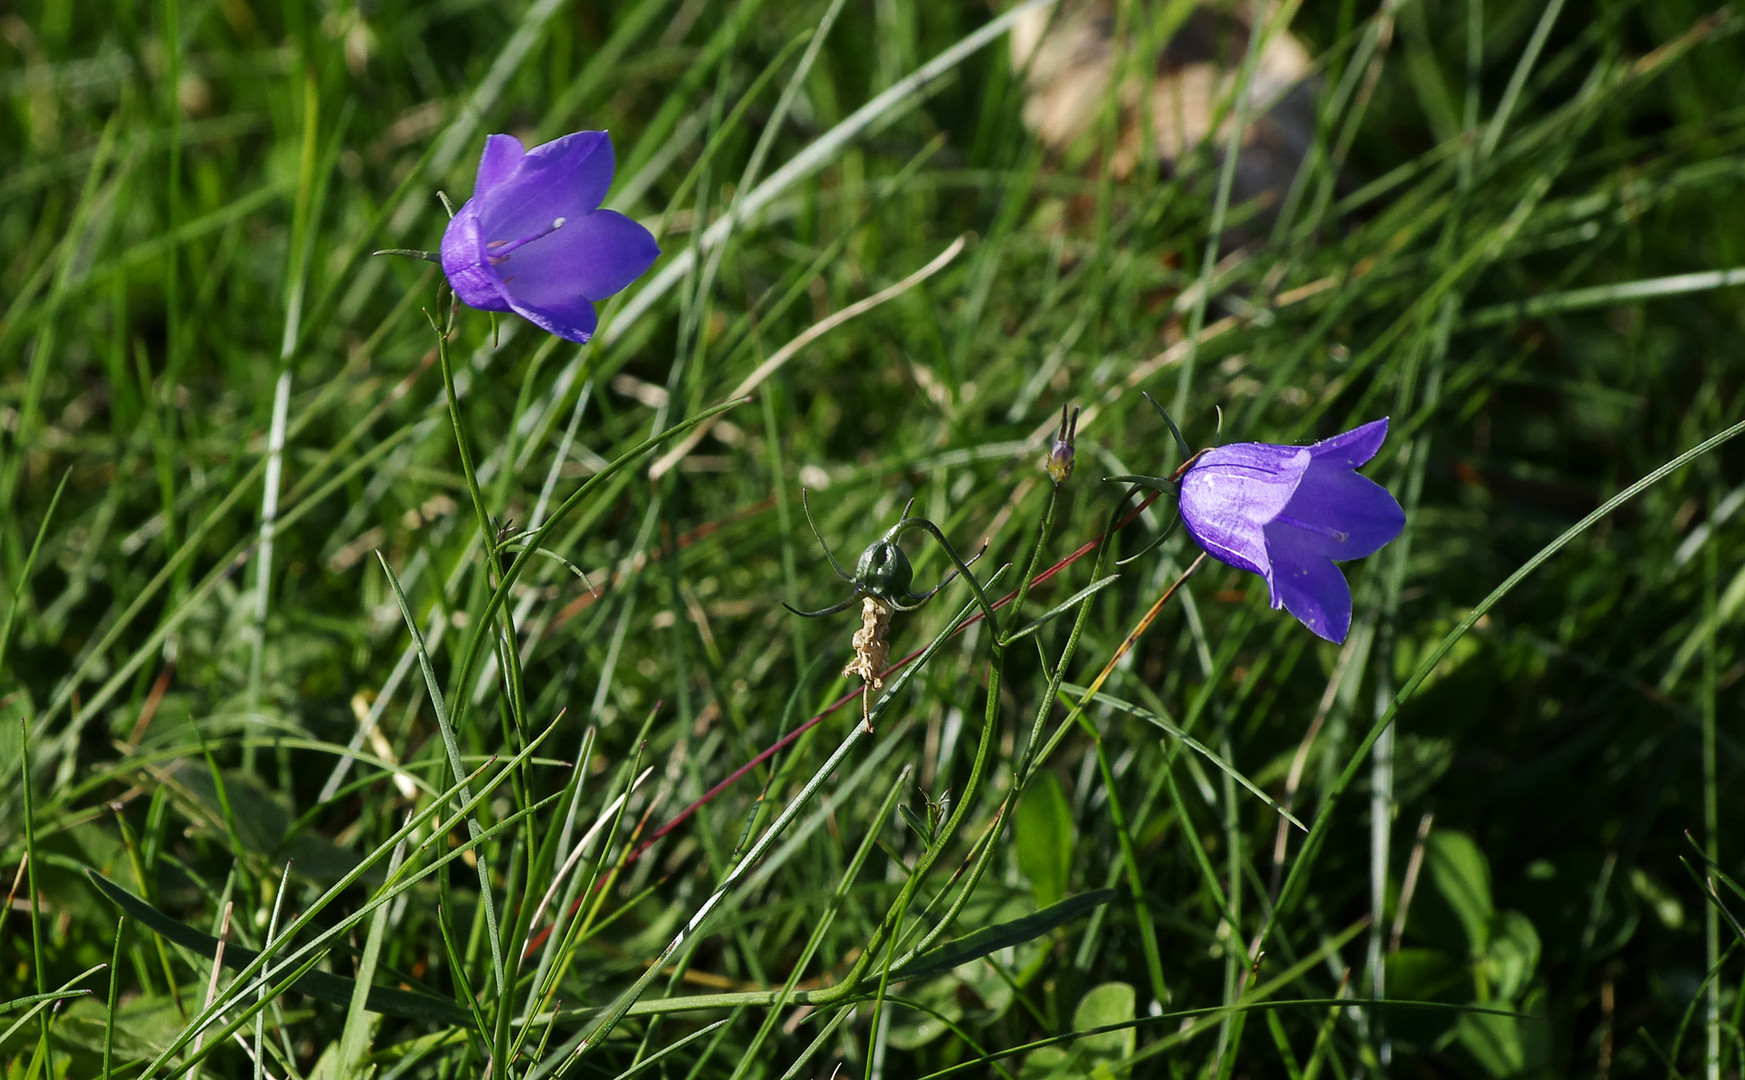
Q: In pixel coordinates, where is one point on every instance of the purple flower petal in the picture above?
(1355, 447)
(587, 155)
(1310, 587)
(463, 260)
(564, 178)
(1232, 492)
(572, 318)
(503, 155)
(1340, 514)
(594, 256)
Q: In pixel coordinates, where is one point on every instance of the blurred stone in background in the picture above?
(1069, 56)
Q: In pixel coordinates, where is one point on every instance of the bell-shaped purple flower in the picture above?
(533, 239)
(1288, 513)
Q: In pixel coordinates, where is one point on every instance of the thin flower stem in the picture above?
(1021, 773)
(456, 710)
(976, 863)
(1125, 647)
(888, 928)
(1153, 960)
(1043, 530)
(977, 860)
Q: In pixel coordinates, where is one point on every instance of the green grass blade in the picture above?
(971, 947)
(333, 989)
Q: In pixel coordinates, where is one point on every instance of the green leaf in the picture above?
(333, 989)
(1428, 975)
(1706, 886)
(1044, 832)
(1513, 955)
(1509, 1045)
(926, 1025)
(1664, 904)
(1493, 1041)
(263, 824)
(1461, 876)
(1045, 1063)
(1535, 1028)
(1105, 1006)
(917, 823)
(993, 938)
(1713, 870)
(140, 1028)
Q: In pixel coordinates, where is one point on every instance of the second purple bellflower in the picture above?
(1289, 513)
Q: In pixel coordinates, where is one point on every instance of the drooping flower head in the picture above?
(1288, 513)
(533, 239)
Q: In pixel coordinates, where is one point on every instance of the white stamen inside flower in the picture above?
(500, 249)
(1324, 530)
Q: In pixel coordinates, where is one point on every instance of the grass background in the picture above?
(1519, 236)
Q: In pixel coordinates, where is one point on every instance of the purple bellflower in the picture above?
(533, 239)
(1288, 513)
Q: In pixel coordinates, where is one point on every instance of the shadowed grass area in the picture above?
(416, 660)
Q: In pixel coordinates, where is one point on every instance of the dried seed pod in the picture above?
(872, 652)
(882, 581)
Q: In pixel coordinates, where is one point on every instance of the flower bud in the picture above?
(1058, 463)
